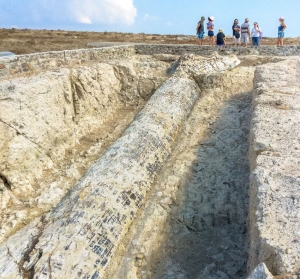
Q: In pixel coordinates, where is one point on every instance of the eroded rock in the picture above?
(55, 124)
(274, 159)
(260, 272)
(80, 235)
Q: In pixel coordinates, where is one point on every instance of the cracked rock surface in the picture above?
(80, 235)
(55, 124)
(194, 225)
(275, 160)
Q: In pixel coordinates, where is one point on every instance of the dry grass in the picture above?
(22, 41)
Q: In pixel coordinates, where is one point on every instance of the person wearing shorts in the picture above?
(236, 33)
(245, 32)
(200, 31)
(210, 27)
(281, 29)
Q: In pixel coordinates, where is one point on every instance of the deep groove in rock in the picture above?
(169, 198)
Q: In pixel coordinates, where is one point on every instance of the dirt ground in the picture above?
(23, 41)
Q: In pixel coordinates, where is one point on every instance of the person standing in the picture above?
(281, 29)
(200, 30)
(245, 32)
(221, 38)
(255, 34)
(236, 33)
(210, 27)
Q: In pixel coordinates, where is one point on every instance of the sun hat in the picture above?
(246, 19)
(211, 18)
(281, 18)
(220, 30)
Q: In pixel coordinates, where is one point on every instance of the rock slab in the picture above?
(275, 164)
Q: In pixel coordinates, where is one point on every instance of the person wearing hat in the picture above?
(281, 29)
(221, 38)
(245, 32)
(210, 27)
(200, 30)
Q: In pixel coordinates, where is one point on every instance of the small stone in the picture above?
(288, 250)
(159, 194)
(140, 256)
(12, 71)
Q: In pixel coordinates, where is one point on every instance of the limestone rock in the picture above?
(80, 235)
(102, 205)
(44, 123)
(260, 272)
(274, 160)
(193, 65)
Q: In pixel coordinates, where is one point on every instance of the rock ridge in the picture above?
(93, 217)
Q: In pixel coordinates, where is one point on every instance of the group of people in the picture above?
(240, 33)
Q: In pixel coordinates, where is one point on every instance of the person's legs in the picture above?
(200, 37)
(246, 41)
(211, 39)
(281, 36)
(255, 41)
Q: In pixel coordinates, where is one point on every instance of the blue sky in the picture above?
(147, 16)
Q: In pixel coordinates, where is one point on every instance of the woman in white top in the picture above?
(255, 34)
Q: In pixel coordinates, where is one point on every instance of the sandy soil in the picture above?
(22, 41)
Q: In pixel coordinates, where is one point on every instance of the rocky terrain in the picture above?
(133, 163)
(54, 125)
(22, 41)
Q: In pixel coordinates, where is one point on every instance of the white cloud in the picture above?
(85, 20)
(149, 17)
(88, 11)
(103, 11)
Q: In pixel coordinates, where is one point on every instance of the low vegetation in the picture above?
(23, 41)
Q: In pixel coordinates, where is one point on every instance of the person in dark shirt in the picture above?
(221, 38)
(236, 33)
(200, 31)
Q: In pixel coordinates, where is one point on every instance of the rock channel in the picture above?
(115, 185)
(169, 198)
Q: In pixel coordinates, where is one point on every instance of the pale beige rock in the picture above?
(46, 120)
(274, 160)
(82, 232)
(190, 197)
